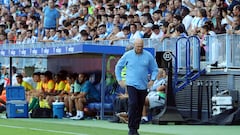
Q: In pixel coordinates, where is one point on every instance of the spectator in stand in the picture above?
(102, 32)
(136, 19)
(123, 10)
(133, 10)
(109, 23)
(147, 28)
(74, 34)
(85, 36)
(130, 19)
(64, 35)
(156, 32)
(139, 9)
(194, 24)
(187, 19)
(153, 7)
(164, 29)
(202, 13)
(227, 20)
(146, 8)
(50, 16)
(74, 13)
(134, 33)
(235, 27)
(163, 8)
(126, 35)
(85, 13)
(157, 17)
(123, 21)
(231, 4)
(236, 10)
(88, 94)
(29, 39)
(91, 22)
(179, 31)
(169, 17)
(2, 28)
(178, 7)
(93, 34)
(81, 24)
(116, 33)
(170, 6)
(11, 38)
(3, 38)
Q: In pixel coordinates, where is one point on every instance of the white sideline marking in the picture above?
(46, 130)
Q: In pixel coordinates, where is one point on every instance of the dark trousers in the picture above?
(135, 106)
(120, 105)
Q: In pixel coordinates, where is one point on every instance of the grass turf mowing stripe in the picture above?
(39, 129)
(69, 126)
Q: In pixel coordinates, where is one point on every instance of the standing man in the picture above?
(139, 64)
(50, 16)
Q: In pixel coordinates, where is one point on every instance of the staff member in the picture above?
(139, 63)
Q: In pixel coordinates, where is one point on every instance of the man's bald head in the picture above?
(138, 45)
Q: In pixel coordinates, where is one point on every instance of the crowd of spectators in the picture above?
(31, 21)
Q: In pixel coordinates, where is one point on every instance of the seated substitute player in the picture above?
(88, 94)
(156, 96)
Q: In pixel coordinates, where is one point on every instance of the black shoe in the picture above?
(143, 121)
(115, 119)
(215, 64)
(135, 133)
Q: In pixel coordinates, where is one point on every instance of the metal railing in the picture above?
(222, 48)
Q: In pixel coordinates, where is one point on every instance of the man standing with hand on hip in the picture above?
(139, 63)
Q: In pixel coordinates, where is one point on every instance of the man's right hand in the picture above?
(122, 83)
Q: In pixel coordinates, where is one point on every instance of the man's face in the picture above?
(81, 78)
(138, 46)
(19, 80)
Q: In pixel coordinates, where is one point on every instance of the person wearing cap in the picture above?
(147, 30)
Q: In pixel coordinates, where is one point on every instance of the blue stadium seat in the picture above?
(111, 92)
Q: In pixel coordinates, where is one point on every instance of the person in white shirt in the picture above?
(187, 19)
(29, 39)
(156, 32)
(134, 33)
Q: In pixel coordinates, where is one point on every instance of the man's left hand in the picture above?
(150, 83)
